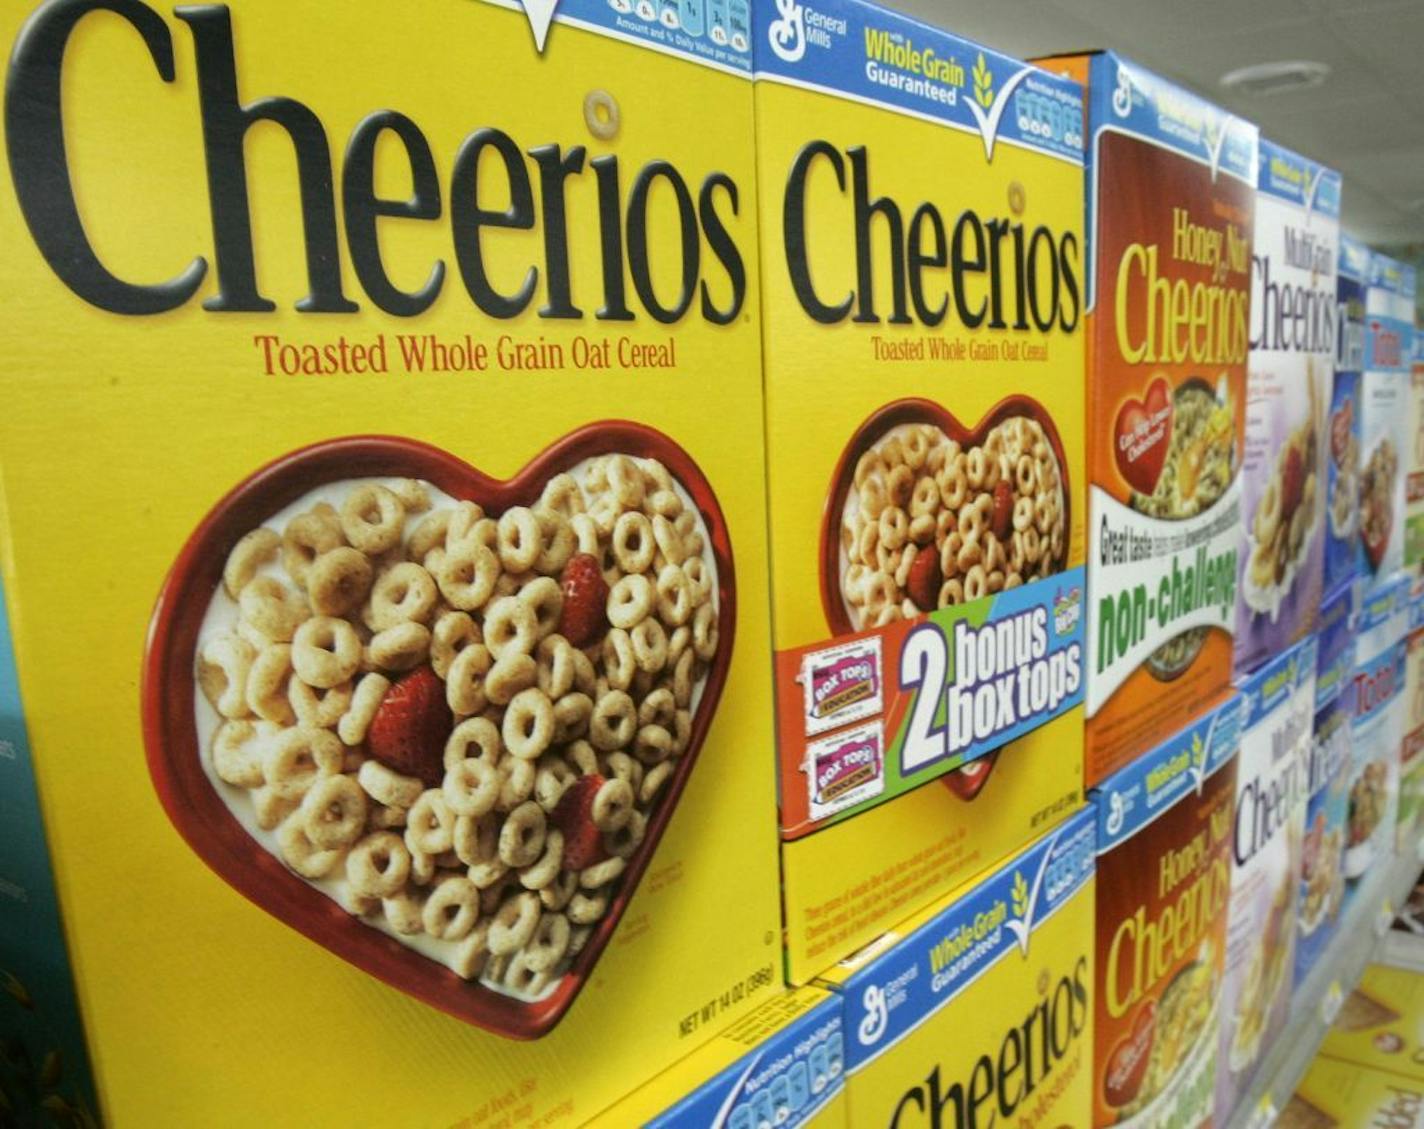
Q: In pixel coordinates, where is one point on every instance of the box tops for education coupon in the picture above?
(1342, 554)
(1170, 207)
(979, 1010)
(924, 430)
(1339, 1095)
(1272, 787)
(783, 1065)
(1165, 832)
(389, 383)
(1290, 379)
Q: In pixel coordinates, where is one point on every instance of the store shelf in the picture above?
(1356, 943)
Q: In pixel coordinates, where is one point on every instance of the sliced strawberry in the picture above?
(1001, 523)
(410, 728)
(573, 815)
(585, 616)
(923, 581)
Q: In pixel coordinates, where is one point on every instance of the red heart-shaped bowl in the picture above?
(202, 816)
(966, 782)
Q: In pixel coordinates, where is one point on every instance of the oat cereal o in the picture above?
(925, 443)
(1170, 202)
(389, 384)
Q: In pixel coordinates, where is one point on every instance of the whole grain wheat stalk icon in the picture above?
(983, 83)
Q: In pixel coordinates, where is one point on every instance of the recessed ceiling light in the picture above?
(1276, 78)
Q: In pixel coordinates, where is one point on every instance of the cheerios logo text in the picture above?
(538, 186)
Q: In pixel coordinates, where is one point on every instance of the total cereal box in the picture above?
(1386, 417)
(388, 382)
(1322, 856)
(1339, 1095)
(1290, 380)
(783, 1065)
(1272, 785)
(1165, 831)
(1342, 554)
(1171, 190)
(924, 425)
(1381, 662)
(1380, 1025)
(980, 1010)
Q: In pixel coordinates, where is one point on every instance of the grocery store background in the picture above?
(1365, 117)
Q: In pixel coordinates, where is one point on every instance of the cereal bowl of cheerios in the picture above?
(438, 722)
(924, 513)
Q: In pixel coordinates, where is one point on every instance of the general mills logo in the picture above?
(877, 1016)
(1122, 96)
(787, 35)
(1117, 812)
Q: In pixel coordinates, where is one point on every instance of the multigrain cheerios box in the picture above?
(1272, 785)
(1381, 664)
(783, 1065)
(979, 1010)
(1322, 876)
(1165, 831)
(1290, 370)
(383, 504)
(1340, 1095)
(1342, 555)
(1170, 202)
(925, 452)
(1386, 417)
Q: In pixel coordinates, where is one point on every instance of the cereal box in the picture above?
(1386, 417)
(1381, 656)
(1414, 479)
(1342, 554)
(386, 382)
(1165, 831)
(1170, 201)
(981, 1010)
(924, 439)
(1411, 744)
(1322, 877)
(1381, 1023)
(1272, 774)
(783, 1065)
(1339, 1095)
(1288, 391)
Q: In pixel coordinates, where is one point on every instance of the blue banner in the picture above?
(1271, 687)
(1335, 639)
(1289, 176)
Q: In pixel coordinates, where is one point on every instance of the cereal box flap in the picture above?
(894, 992)
(1354, 258)
(1287, 175)
(715, 35)
(794, 1062)
(1271, 688)
(1335, 642)
(867, 54)
(1385, 604)
(1390, 274)
(1135, 796)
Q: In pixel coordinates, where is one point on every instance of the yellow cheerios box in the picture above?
(783, 1065)
(1339, 1095)
(384, 544)
(1381, 1023)
(979, 1010)
(922, 268)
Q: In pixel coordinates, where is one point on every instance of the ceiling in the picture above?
(1367, 119)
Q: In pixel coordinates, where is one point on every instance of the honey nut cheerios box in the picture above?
(1165, 829)
(979, 1009)
(1170, 202)
(1340, 1095)
(384, 547)
(1290, 379)
(782, 1065)
(924, 427)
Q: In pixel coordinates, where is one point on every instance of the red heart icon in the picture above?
(1127, 1064)
(1142, 435)
(203, 817)
(968, 781)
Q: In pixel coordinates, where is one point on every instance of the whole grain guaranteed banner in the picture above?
(384, 545)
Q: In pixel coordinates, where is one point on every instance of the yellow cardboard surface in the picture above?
(1342, 1094)
(120, 431)
(1381, 1023)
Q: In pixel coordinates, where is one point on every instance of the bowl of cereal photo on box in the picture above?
(438, 722)
(925, 513)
